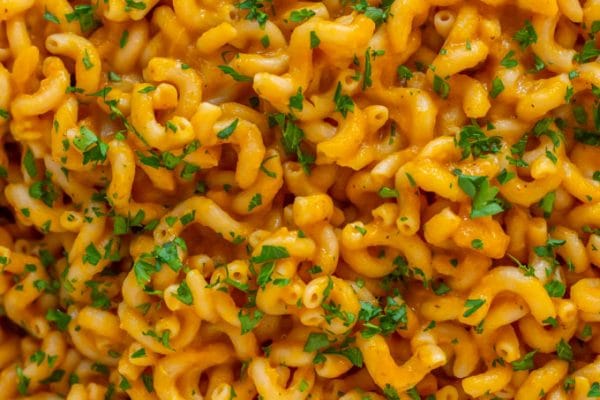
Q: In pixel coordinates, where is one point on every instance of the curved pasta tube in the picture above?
(187, 81)
(203, 211)
(117, 10)
(50, 93)
(543, 379)
(211, 304)
(38, 213)
(23, 300)
(384, 370)
(119, 192)
(88, 65)
(340, 294)
(355, 245)
(172, 375)
(156, 134)
(199, 17)
(403, 15)
(491, 381)
(465, 350)
(11, 8)
(245, 136)
(53, 344)
(510, 279)
(266, 381)
(557, 58)
(348, 138)
(93, 342)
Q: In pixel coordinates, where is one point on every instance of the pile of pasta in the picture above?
(280, 199)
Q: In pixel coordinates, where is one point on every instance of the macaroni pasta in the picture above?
(283, 199)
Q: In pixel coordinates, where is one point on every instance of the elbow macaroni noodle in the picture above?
(273, 199)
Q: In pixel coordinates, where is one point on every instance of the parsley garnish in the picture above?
(296, 100)
(249, 320)
(504, 176)
(367, 82)
(83, 13)
(343, 102)
(92, 255)
(404, 72)
(441, 87)
(314, 40)
(124, 38)
(254, 11)
(508, 61)
(555, 289)
(526, 35)
(301, 15)
(255, 202)
(29, 163)
(234, 74)
(316, 342)
(184, 294)
(378, 15)
(594, 390)
(497, 87)
(564, 350)
(473, 141)
(388, 193)
(228, 131)
(472, 305)
(134, 5)
(22, 381)
(588, 52)
(87, 63)
(93, 148)
(524, 363)
(60, 318)
(48, 16)
(483, 194)
(546, 204)
(270, 253)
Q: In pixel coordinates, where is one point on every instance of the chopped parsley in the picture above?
(441, 86)
(296, 100)
(343, 102)
(228, 131)
(48, 16)
(379, 15)
(255, 12)
(255, 202)
(93, 148)
(84, 14)
(301, 15)
(483, 194)
(388, 193)
(473, 141)
(497, 87)
(60, 319)
(234, 74)
(249, 320)
(508, 61)
(472, 305)
(526, 36)
(314, 40)
(87, 63)
(184, 294)
(524, 363)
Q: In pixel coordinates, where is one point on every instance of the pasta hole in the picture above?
(51, 43)
(445, 16)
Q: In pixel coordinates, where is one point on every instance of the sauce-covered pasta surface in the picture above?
(281, 199)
